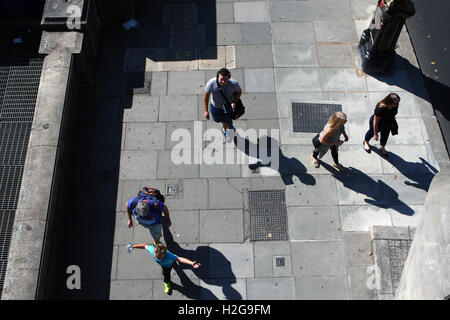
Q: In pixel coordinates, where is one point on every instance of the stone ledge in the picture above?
(52, 40)
(391, 233)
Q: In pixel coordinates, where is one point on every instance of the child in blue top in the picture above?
(165, 259)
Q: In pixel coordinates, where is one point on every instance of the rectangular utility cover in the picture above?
(268, 215)
(312, 117)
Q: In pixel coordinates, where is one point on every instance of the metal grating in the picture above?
(6, 224)
(398, 252)
(20, 72)
(311, 117)
(268, 215)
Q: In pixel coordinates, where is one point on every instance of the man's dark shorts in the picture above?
(218, 115)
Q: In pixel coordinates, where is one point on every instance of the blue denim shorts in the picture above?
(218, 115)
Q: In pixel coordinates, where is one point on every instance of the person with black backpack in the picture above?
(147, 207)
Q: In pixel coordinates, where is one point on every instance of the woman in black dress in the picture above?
(382, 122)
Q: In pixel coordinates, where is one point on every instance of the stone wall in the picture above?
(426, 274)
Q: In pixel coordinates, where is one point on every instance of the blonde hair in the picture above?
(337, 120)
(160, 250)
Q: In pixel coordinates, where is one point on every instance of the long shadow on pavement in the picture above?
(420, 172)
(287, 167)
(378, 192)
(207, 257)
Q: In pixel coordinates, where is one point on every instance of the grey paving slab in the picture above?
(352, 156)
(229, 34)
(178, 108)
(270, 288)
(223, 289)
(140, 234)
(335, 55)
(143, 136)
(329, 9)
(297, 79)
(265, 253)
(144, 109)
(190, 200)
(396, 82)
(335, 31)
(362, 217)
(225, 193)
(189, 289)
(362, 9)
(294, 55)
(323, 192)
(158, 84)
(318, 259)
(293, 32)
(224, 13)
(342, 79)
(138, 165)
(127, 265)
(357, 106)
(408, 190)
(315, 223)
(256, 33)
(259, 80)
(183, 134)
(403, 220)
(356, 187)
(131, 290)
(185, 82)
(266, 183)
(290, 11)
(362, 286)
(251, 11)
(220, 170)
(169, 169)
(408, 160)
(185, 225)
(231, 261)
(268, 124)
(321, 288)
(260, 106)
(221, 226)
(358, 249)
(254, 56)
(122, 234)
(411, 132)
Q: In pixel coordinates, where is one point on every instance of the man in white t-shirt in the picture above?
(219, 108)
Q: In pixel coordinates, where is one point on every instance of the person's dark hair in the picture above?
(225, 72)
(389, 100)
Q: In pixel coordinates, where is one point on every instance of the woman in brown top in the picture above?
(382, 122)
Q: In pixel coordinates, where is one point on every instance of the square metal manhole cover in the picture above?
(268, 215)
(312, 117)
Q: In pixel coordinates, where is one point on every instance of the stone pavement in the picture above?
(280, 52)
